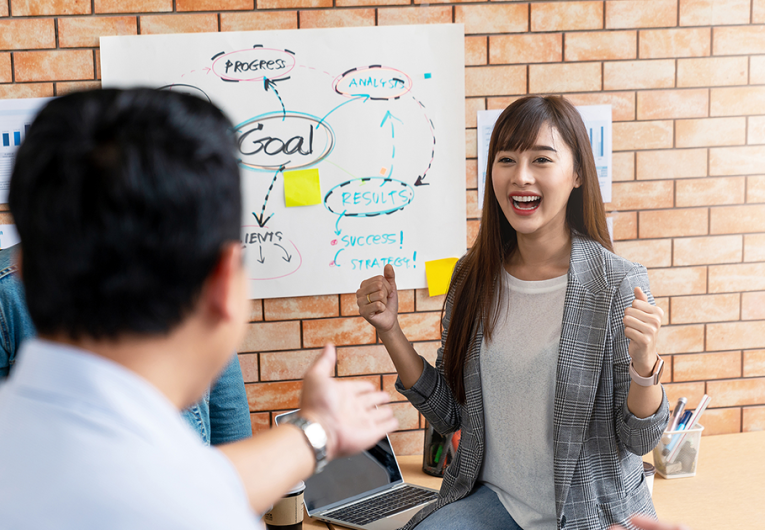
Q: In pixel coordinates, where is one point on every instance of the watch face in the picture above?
(317, 435)
(657, 378)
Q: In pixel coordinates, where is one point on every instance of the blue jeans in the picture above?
(481, 510)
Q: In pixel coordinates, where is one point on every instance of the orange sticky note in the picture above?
(439, 273)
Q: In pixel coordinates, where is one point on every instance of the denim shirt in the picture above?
(223, 415)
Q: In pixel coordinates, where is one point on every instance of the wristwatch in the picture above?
(652, 379)
(316, 436)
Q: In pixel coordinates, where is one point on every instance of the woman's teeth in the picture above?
(526, 202)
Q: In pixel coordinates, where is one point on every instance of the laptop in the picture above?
(365, 491)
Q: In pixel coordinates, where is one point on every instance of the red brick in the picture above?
(268, 336)
(674, 223)
(754, 363)
(471, 174)
(708, 250)
(472, 232)
(407, 442)
(53, 65)
(753, 306)
(425, 302)
(273, 396)
(258, 20)
(739, 277)
(737, 392)
(754, 247)
(705, 308)
(736, 335)
(624, 75)
(256, 311)
(132, 6)
(3, 9)
(421, 326)
(337, 18)
(471, 143)
(487, 18)
(601, 45)
(753, 419)
(757, 69)
(671, 164)
(363, 360)
(756, 130)
(339, 331)
(710, 191)
(76, 86)
(739, 40)
(21, 34)
(472, 106)
(78, 32)
(674, 43)
(648, 252)
(755, 189)
(680, 339)
(348, 306)
(213, 5)
(624, 166)
(302, 307)
(737, 101)
(526, 48)
(495, 80)
(713, 71)
(678, 281)
(428, 350)
(406, 414)
(642, 195)
(193, 23)
(758, 12)
(721, 421)
(389, 382)
(710, 132)
(25, 90)
(283, 365)
(566, 16)
(737, 219)
(475, 50)
(650, 14)
(6, 72)
(471, 204)
(260, 422)
(625, 225)
(566, 77)
(622, 103)
(422, 14)
(33, 8)
(713, 12)
(663, 303)
(736, 160)
(658, 104)
(692, 391)
(98, 64)
(705, 366)
(632, 135)
(248, 362)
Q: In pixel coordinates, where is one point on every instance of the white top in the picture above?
(87, 444)
(518, 372)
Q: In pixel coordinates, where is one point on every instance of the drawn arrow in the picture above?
(288, 258)
(337, 223)
(421, 179)
(365, 97)
(390, 116)
(271, 84)
(262, 259)
(207, 69)
(262, 219)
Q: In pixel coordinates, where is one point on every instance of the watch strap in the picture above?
(652, 379)
(316, 437)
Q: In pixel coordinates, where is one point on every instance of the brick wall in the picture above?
(686, 79)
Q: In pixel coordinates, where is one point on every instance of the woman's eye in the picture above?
(505, 160)
(542, 160)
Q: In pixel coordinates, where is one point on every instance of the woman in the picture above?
(541, 324)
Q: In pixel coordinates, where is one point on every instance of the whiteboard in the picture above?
(362, 128)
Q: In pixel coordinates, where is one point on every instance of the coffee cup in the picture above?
(287, 513)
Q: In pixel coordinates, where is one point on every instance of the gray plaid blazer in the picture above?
(598, 443)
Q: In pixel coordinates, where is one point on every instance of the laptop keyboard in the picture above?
(389, 503)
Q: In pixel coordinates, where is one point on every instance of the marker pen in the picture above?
(676, 415)
(681, 426)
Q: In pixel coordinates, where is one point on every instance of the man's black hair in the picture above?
(123, 200)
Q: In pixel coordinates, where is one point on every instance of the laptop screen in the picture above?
(345, 479)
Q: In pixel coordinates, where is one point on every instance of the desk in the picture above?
(728, 491)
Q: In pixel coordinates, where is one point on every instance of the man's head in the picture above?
(124, 201)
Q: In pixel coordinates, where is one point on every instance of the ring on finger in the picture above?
(368, 299)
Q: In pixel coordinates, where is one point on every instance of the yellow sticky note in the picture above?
(439, 273)
(302, 187)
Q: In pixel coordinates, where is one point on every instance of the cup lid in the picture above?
(298, 488)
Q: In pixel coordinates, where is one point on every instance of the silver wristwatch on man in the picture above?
(316, 436)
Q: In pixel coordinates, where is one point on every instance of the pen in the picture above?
(691, 424)
(676, 415)
(681, 426)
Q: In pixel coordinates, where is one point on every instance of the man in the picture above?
(128, 207)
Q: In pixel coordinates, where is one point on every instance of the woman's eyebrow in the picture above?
(542, 148)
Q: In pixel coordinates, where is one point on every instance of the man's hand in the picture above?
(348, 410)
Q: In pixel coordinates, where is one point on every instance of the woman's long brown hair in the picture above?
(478, 278)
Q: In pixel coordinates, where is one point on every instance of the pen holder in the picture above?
(677, 454)
(439, 450)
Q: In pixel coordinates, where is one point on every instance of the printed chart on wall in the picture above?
(351, 144)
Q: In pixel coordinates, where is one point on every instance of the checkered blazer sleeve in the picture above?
(636, 435)
(430, 394)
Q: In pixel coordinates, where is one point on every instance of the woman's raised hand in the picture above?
(642, 322)
(377, 299)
